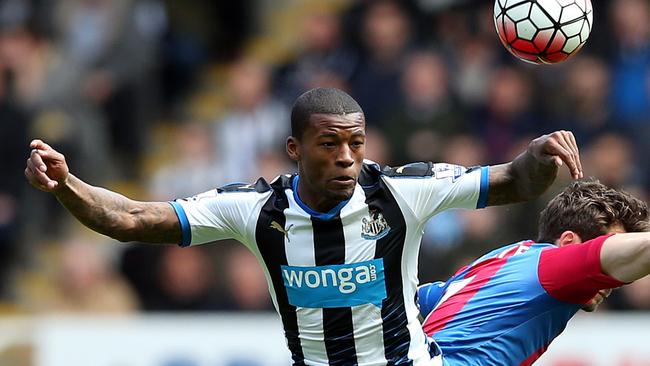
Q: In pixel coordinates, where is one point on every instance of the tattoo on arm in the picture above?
(121, 218)
(523, 179)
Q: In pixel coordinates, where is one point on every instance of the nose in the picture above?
(344, 158)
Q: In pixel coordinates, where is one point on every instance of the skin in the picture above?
(329, 156)
(334, 146)
(101, 210)
(624, 256)
(534, 170)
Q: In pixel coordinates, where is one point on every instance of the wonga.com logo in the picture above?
(333, 286)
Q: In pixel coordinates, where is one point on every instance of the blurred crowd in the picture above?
(162, 99)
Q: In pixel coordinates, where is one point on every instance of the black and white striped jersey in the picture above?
(345, 281)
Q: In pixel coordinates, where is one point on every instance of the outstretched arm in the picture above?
(104, 211)
(534, 170)
(626, 257)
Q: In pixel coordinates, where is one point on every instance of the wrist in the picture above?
(63, 186)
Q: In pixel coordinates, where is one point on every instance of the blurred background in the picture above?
(162, 99)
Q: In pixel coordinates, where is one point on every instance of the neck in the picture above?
(314, 200)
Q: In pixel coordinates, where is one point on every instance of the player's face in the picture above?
(330, 155)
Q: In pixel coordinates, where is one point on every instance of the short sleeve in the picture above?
(573, 273)
(444, 186)
(212, 216)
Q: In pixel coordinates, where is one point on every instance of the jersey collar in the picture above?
(324, 216)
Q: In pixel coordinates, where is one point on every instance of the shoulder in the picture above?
(419, 169)
(260, 186)
(279, 183)
(519, 252)
(235, 193)
(439, 171)
(372, 171)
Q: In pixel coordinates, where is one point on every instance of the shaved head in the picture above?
(320, 101)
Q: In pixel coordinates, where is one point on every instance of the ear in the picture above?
(293, 148)
(568, 237)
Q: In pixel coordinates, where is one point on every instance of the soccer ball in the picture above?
(543, 31)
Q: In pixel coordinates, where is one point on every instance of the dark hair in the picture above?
(589, 208)
(320, 100)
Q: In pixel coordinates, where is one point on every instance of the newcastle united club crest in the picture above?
(375, 227)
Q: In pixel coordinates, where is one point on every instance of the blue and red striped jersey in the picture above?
(506, 307)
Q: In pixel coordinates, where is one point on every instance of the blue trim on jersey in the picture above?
(319, 215)
(482, 196)
(185, 224)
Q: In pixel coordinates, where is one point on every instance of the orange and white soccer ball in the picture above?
(543, 31)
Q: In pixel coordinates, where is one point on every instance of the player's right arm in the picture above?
(626, 257)
(436, 187)
(101, 210)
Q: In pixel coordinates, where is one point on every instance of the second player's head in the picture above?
(328, 143)
(588, 209)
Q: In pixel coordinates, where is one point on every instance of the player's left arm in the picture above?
(534, 170)
(626, 257)
(575, 273)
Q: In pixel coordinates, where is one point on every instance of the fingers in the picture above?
(562, 155)
(39, 145)
(37, 161)
(49, 154)
(42, 154)
(569, 152)
(574, 145)
(40, 157)
(569, 143)
(38, 178)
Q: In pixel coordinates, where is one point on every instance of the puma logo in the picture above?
(278, 227)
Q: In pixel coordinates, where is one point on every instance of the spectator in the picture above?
(89, 285)
(507, 113)
(323, 59)
(186, 280)
(387, 38)
(246, 283)
(13, 130)
(85, 74)
(46, 89)
(377, 147)
(610, 158)
(109, 44)
(631, 62)
(255, 125)
(427, 115)
(195, 168)
(584, 102)
(274, 163)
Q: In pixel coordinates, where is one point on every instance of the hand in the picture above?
(558, 148)
(46, 168)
